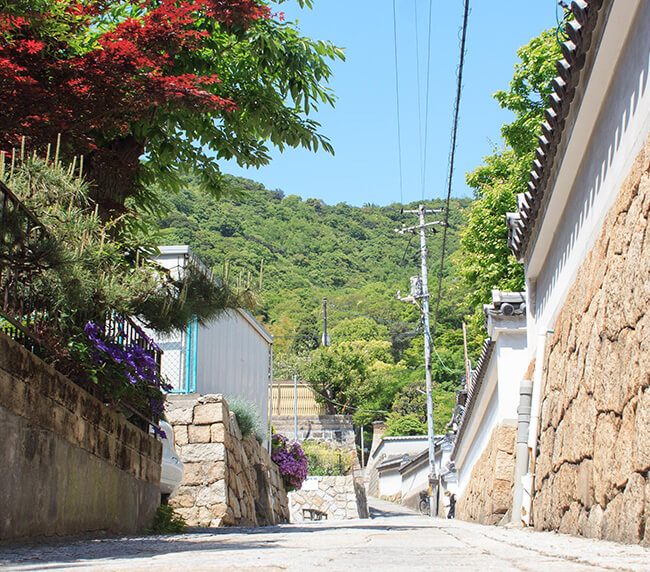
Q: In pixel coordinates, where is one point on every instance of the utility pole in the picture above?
(468, 366)
(326, 338)
(420, 291)
(295, 408)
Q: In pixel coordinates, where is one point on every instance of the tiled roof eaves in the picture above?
(580, 31)
(477, 382)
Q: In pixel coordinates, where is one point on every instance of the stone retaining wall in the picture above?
(592, 468)
(228, 480)
(69, 464)
(488, 496)
(339, 498)
(322, 428)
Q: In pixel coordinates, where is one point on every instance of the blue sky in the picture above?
(363, 125)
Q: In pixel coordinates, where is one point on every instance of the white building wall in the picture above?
(415, 480)
(512, 360)
(604, 136)
(390, 482)
(607, 134)
(231, 354)
(475, 443)
(498, 400)
(233, 359)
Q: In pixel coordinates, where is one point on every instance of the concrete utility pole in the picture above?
(420, 291)
(295, 408)
(326, 338)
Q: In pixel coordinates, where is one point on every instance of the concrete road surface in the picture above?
(394, 539)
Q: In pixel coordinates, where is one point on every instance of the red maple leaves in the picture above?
(49, 85)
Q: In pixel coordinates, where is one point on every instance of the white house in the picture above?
(386, 449)
(414, 474)
(484, 451)
(230, 355)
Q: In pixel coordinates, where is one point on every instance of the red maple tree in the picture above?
(121, 79)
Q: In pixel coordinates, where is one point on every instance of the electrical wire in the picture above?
(399, 129)
(452, 154)
(426, 101)
(442, 363)
(418, 89)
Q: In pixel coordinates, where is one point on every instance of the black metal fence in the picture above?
(24, 248)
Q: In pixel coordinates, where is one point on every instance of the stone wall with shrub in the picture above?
(594, 454)
(338, 498)
(229, 479)
(488, 496)
(70, 464)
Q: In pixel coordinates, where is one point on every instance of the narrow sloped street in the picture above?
(394, 539)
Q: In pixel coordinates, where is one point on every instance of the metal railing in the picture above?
(24, 249)
(128, 334)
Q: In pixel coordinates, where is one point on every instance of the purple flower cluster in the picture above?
(136, 363)
(291, 460)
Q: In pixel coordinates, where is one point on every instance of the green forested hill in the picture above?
(310, 250)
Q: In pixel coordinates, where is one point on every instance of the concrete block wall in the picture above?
(228, 480)
(70, 464)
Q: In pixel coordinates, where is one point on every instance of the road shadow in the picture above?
(68, 553)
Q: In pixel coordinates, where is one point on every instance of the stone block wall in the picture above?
(339, 498)
(334, 429)
(228, 480)
(488, 496)
(594, 453)
(70, 464)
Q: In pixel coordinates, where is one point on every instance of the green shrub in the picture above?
(167, 521)
(400, 424)
(323, 460)
(247, 415)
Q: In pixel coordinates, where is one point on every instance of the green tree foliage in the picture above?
(338, 375)
(307, 335)
(405, 424)
(485, 261)
(358, 329)
(350, 255)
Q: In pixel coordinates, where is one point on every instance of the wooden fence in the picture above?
(284, 399)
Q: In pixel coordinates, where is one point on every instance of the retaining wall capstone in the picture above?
(594, 453)
(228, 480)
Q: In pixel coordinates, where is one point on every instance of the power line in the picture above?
(399, 130)
(442, 363)
(426, 102)
(452, 154)
(418, 90)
